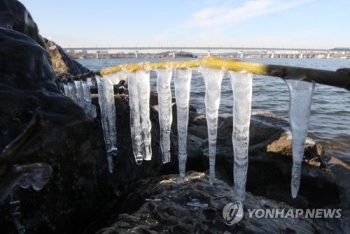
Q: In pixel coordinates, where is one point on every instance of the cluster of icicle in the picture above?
(140, 124)
(79, 91)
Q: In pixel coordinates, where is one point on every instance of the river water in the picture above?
(330, 110)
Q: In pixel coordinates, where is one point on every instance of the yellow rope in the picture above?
(233, 65)
(337, 79)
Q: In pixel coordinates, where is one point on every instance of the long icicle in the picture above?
(242, 99)
(135, 124)
(108, 117)
(143, 78)
(66, 90)
(212, 79)
(80, 96)
(182, 82)
(299, 115)
(165, 110)
(72, 92)
(89, 108)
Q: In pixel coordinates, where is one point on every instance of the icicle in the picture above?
(90, 82)
(140, 124)
(79, 89)
(135, 125)
(108, 117)
(212, 79)
(143, 77)
(242, 99)
(37, 178)
(299, 115)
(73, 92)
(182, 81)
(88, 107)
(66, 90)
(165, 110)
(118, 76)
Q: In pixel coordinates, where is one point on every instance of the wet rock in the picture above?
(164, 206)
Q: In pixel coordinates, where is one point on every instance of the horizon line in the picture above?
(340, 48)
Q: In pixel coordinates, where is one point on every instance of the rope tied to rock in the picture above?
(339, 78)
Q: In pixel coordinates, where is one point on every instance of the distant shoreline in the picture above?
(184, 54)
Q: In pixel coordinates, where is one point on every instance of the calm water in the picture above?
(330, 111)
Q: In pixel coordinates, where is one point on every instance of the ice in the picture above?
(118, 76)
(37, 178)
(182, 82)
(212, 79)
(165, 110)
(66, 90)
(242, 99)
(299, 115)
(196, 203)
(108, 117)
(140, 124)
(79, 89)
(72, 92)
(143, 77)
(90, 81)
(88, 107)
(135, 124)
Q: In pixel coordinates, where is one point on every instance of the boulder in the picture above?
(69, 141)
(61, 62)
(14, 15)
(161, 205)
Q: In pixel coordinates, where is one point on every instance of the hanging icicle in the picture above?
(118, 76)
(90, 109)
(91, 82)
(135, 125)
(108, 117)
(66, 90)
(182, 82)
(72, 92)
(140, 124)
(299, 115)
(242, 99)
(79, 89)
(212, 79)
(143, 77)
(165, 110)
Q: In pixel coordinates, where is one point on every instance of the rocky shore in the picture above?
(83, 197)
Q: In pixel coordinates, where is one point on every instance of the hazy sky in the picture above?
(247, 23)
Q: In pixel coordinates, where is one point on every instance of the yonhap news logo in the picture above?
(294, 213)
(233, 213)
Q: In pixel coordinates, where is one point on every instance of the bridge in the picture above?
(227, 51)
(193, 48)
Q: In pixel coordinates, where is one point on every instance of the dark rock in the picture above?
(66, 141)
(13, 15)
(341, 171)
(167, 210)
(70, 142)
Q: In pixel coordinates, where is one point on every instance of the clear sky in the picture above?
(240, 23)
